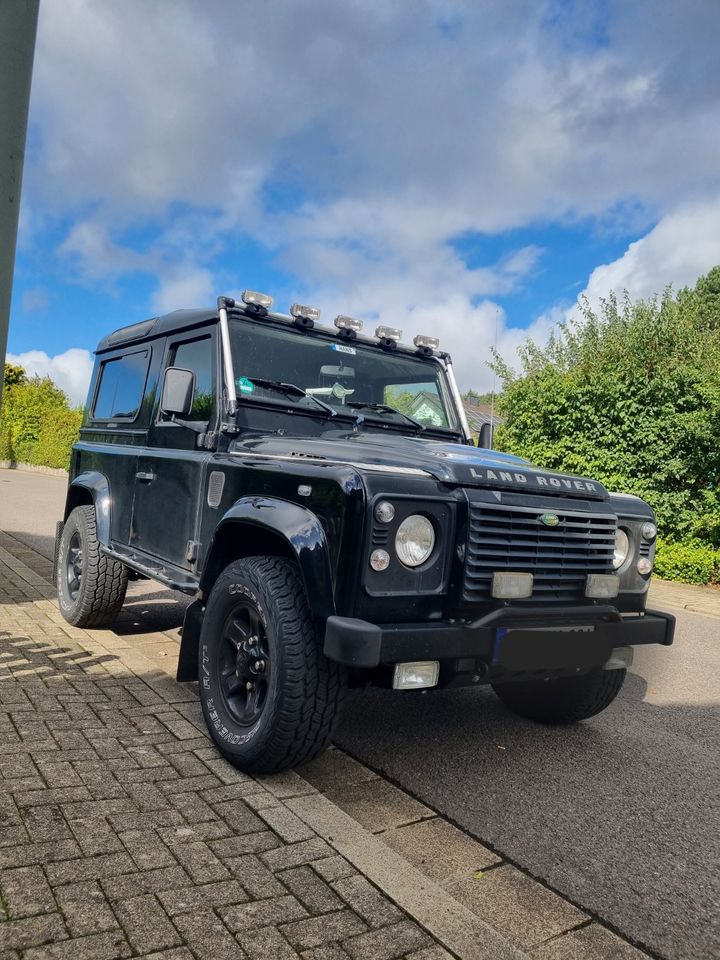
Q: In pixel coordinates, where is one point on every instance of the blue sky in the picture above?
(439, 165)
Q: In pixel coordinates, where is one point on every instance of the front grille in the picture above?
(560, 558)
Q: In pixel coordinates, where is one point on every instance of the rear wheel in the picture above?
(565, 700)
(91, 587)
(269, 695)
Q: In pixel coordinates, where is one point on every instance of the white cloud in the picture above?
(71, 370)
(97, 256)
(184, 287)
(382, 132)
(683, 245)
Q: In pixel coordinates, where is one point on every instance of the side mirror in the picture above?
(486, 436)
(178, 392)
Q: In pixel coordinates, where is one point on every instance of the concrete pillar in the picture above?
(18, 26)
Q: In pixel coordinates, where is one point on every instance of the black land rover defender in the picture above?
(318, 493)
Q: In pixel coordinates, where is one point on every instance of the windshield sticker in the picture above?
(341, 348)
(246, 385)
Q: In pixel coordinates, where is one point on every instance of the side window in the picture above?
(120, 387)
(198, 356)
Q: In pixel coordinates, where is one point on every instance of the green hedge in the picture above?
(688, 562)
(37, 424)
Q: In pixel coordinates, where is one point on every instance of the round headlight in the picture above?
(649, 530)
(414, 540)
(644, 566)
(622, 548)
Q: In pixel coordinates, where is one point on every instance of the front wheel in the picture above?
(565, 700)
(269, 695)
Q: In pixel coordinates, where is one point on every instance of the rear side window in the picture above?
(120, 387)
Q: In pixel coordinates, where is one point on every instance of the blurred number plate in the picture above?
(550, 648)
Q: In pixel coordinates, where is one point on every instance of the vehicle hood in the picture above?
(451, 463)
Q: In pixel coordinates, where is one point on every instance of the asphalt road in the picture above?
(619, 813)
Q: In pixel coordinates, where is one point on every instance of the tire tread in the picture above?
(104, 580)
(314, 687)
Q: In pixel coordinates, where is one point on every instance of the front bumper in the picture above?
(357, 643)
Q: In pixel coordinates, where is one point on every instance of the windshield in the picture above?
(351, 378)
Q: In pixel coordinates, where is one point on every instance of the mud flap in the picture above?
(187, 668)
(59, 527)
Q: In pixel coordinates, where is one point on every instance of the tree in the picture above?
(474, 397)
(37, 424)
(629, 394)
(13, 375)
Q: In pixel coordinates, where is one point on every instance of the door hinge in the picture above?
(207, 441)
(192, 551)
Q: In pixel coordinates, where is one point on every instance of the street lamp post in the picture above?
(18, 26)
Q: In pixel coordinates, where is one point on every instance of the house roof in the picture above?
(479, 414)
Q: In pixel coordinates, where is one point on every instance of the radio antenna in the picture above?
(492, 395)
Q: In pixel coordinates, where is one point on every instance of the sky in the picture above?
(462, 168)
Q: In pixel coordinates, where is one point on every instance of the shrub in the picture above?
(37, 425)
(6, 446)
(55, 439)
(629, 394)
(689, 562)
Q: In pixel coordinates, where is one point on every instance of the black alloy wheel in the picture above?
(244, 664)
(269, 695)
(74, 566)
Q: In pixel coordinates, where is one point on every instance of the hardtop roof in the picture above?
(156, 327)
(180, 320)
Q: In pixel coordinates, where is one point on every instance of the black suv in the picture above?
(318, 493)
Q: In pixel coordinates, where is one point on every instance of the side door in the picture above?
(171, 469)
(116, 430)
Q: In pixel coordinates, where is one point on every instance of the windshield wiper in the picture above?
(384, 408)
(290, 390)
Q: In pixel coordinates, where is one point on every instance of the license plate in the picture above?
(550, 648)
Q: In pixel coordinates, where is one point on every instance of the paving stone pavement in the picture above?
(124, 834)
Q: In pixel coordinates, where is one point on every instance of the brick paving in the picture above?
(123, 833)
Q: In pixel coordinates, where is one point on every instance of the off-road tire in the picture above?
(565, 700)
(303, 690)
(101, 592)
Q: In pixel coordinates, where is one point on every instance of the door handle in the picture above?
(145, 477)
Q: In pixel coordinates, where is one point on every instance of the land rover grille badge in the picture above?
(550, 519)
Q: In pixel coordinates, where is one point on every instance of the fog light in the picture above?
(348, 323)
(253, 298)
(388, 333)
(512, 586)
(415, 676)
(602, 586)
(428, 343)
(379, 560)
(302, 311)
(644, 566)
(649, 531)
(384, 512)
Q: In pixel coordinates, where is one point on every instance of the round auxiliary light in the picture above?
(384, 512)
(379, 560)
(622, 548)
(414, 540)
(644, 566)
(649, 530)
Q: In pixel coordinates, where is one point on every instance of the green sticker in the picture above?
(246, 385)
